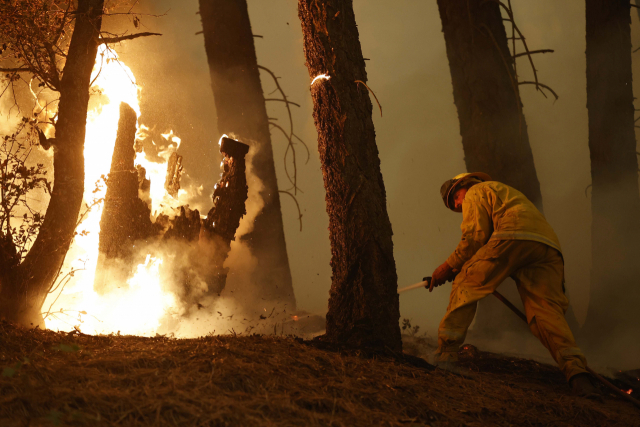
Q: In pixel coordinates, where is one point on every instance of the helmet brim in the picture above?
(461, 179)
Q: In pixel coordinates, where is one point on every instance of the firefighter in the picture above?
(505, 235)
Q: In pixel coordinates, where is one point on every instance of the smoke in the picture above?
(162, 288)
(418, 138)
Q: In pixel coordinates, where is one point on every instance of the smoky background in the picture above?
(418, 135)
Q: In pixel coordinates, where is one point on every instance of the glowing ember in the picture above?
(320, 77)
(295, 318)
(628, 391)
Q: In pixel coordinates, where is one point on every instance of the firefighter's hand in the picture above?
(443, 274)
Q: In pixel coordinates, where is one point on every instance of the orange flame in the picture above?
(137, 306)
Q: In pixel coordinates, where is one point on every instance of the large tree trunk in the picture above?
(125, 218)
(242, 113)
(22, 296)
(363, 303)
(485, 91)
(492, 124)
(614, 307)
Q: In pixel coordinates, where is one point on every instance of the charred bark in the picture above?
(241, 110)
(125, 218)
(184, 227)
(363, 303)
(615, 202)
(174, 173)
(492, 123)
(223, 219)
(22, 296)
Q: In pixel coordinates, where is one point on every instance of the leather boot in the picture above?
(582, 386)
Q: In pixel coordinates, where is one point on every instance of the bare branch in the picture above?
(297, 205)
(289, 135)
(15, 70)
(374, 95)
(532, 52)
(541, 85)
(106, 40)
(282, 100)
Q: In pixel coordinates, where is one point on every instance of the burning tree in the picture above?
(125, 217)
(241, 111)
(363, 304)
(615, 204)
(53, 44)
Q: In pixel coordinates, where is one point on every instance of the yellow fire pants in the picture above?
(538, 271)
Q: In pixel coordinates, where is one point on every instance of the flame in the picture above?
(138, 306)
(628, 391)
(320, 77)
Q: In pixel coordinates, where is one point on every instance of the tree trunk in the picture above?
(363, 303)
(615, 201)
(485, 91)
(125, 218)
(241, 110)
(229, 198)
(22, 297)
(492, 124)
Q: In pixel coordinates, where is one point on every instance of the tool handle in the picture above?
(600, 378)
(426, 281)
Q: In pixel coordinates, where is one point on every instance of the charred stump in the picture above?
(222, 221)
(492, 124)
(22, 297)
(125, 218)
(184, 227)
(174, 173)
(242, 112)
(363, 303)
(613, 313)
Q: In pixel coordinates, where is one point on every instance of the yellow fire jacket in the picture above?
(494, 211)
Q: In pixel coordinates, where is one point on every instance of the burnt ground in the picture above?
(51, 378)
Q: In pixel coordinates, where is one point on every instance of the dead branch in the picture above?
(533, 52)
(524, 43)
(297, 205)
(290, 146)
(289, 135)
(15, 70)
(105, 40)
(374, 95)
(541, 85)
(282, 100)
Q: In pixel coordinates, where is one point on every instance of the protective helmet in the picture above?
(449, 187)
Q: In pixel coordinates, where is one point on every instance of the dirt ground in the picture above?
(51, 378)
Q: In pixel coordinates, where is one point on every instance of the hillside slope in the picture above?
(51, 378)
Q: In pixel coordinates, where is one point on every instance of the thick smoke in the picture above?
(418, 137)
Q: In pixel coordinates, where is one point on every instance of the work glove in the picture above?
(443, 274)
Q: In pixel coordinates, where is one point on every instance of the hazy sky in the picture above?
(418, 136)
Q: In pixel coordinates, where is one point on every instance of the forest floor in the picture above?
(53, 378)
